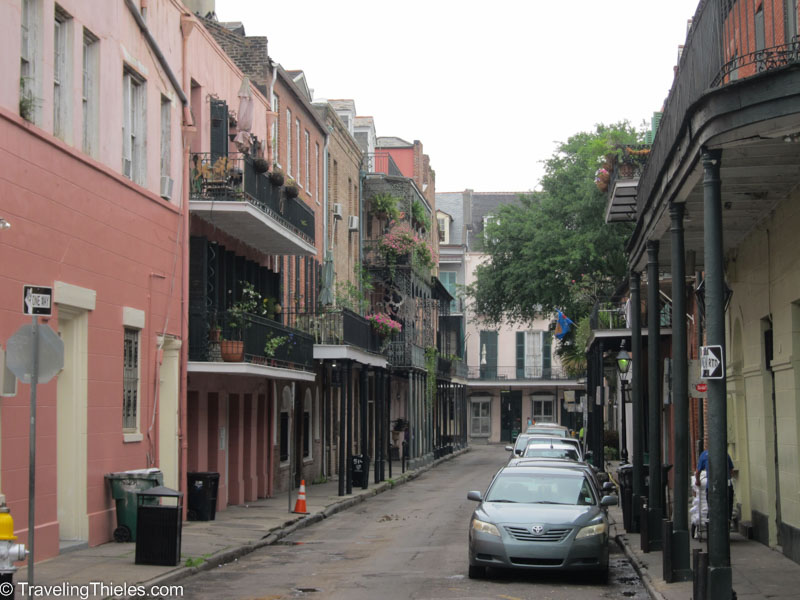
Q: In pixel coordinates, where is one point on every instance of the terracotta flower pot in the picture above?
(232, 350)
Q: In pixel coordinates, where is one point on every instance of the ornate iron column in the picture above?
(348, 377)
(681, 570)
(637, 399)
(719, 552)
(656, 491)
(342, 387)
(362, 392)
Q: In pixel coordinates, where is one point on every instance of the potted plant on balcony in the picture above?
(385, 206)
(250, 303)
(384, 324)
(419, 215)
(272, 344)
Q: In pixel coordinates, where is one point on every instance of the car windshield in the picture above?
(522, 441)
(552, 431)
(537, 488)
(551, 452)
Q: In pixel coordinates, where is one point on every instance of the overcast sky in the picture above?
(488, 87)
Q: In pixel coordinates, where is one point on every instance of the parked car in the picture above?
(549, 450)
(540, 517)
(519, 445)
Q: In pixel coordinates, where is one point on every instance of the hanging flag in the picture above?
(562, 325)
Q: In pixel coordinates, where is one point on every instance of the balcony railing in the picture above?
(459, 369)
(233, 178)
(404, 354)
(337, 327)
(758, 61)
(381, 162)
(295, 351)
(374, 257)
(608, 314)
(501, 373)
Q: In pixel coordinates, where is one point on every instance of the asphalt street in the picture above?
(410, 542)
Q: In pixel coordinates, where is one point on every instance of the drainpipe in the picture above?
(159, 55)
(187, 24)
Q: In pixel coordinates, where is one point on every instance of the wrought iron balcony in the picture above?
(607, 314)
(340, 326)
(514, 373)
(404, 354)
(381, 162)
(293, 349)
(374, 256)
(245, 204)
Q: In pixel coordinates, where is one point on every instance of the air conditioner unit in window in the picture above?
(352, 223)
(126, 168)
(166, 187)
(337, 211)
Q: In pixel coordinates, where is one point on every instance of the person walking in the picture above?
(702, 465)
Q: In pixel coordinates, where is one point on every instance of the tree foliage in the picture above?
(553, 250)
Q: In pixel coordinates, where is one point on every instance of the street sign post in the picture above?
(35, 355)
(712, 365)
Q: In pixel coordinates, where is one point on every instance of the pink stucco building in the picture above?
(91, 135)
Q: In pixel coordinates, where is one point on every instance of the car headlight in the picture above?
(591, 530)
(484, 527)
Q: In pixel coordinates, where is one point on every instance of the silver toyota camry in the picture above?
(540, 518)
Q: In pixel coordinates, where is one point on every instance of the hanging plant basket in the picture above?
(292, 191)
(276, 178)
(260, 165)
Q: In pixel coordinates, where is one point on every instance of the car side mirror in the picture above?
(518, 452)
(609, 501)
(476, 496)
(609, 487)
(509, 448)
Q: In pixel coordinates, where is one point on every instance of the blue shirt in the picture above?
(702, 463)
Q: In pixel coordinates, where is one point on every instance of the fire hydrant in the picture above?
(9, 551)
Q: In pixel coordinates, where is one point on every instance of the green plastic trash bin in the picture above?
(125, 486)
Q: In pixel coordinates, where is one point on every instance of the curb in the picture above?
(281, 531)
(642, 572)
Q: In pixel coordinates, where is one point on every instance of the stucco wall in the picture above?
(765, 276)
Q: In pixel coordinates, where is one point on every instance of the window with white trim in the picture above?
(89, 92)
(130, 380)
(308, 161)
(133, 127)
(62, 66)
(533, 354)
(30, 61)
(276, 130)
(288, 142)
(316, 171)
(542, 409)
(297, 146)
(166, 136)
(481, 417)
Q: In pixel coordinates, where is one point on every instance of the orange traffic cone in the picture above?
(300, 505)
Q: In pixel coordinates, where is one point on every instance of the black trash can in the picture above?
(202, 496)
(158, 527)
(359, 465)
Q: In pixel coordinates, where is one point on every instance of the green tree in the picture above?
(552, 250)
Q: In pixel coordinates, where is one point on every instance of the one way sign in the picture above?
(711, 363)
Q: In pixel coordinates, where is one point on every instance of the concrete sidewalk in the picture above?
(236, 531)
(758, 571)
